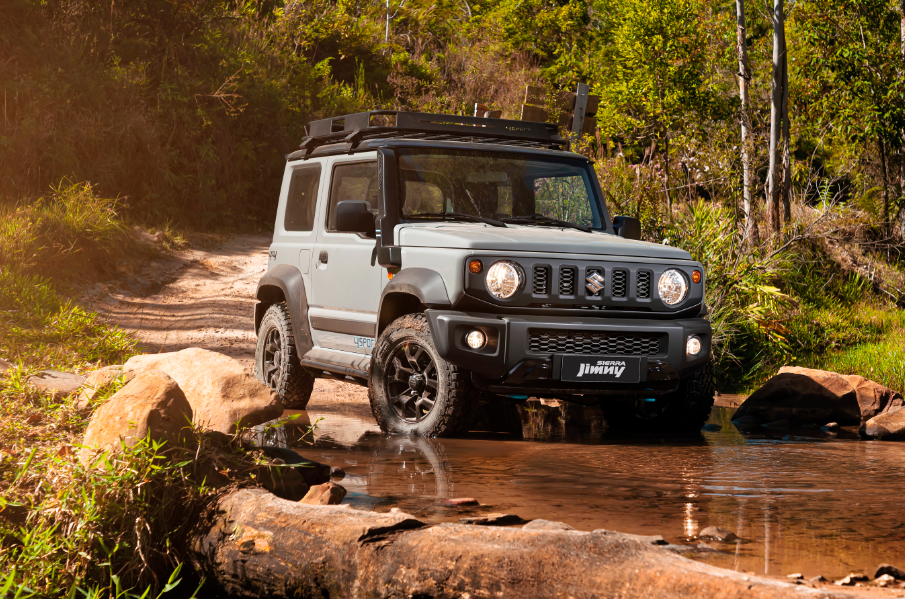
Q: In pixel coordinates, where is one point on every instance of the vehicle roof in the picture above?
(372, 144)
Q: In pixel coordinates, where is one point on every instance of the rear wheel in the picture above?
(413, 390)
(686, 409)
(276, 362)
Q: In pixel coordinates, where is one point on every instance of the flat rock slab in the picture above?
(255, 545)
(60, 384)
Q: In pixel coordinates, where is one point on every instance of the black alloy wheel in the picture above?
(413, 390)
(411, 380)
(273, 359)
(276, 362)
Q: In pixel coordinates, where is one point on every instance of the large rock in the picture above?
(95, 383)
(804, 395)
(221, 392)
(260, 546)
(60, 384)
(152, 404)
(889, 426)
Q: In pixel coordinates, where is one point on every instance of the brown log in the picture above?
(254, 544)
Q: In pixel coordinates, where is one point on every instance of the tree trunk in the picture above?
(666, 162)
(744, 78)
(901, 215)
(776, 117)
(884, 171)
(786, 138)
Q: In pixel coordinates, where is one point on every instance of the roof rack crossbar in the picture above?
(355, 128)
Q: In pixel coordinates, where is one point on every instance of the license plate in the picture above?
(594, 369)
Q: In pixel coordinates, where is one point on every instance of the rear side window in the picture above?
(302, 198)
(355, 181)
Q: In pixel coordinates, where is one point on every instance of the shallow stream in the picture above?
(803, 500)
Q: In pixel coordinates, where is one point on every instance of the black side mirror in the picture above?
(355, 216)
(626, 226)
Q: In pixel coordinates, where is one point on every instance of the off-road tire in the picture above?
(276, 348)
(684, 410)
(455, 398)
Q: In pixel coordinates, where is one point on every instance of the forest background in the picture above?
(177, 115)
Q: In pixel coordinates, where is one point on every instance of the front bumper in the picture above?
(519, 359)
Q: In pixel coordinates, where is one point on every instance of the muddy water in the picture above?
(803, 500)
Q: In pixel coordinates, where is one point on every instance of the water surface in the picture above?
(803, 500)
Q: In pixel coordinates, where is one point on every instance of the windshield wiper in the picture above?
(459, 216)
(540, 219)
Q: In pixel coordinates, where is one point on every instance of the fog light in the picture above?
(693, 346)
(476, 339)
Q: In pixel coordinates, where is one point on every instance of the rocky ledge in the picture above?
(253, 544)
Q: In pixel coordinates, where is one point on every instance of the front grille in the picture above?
(644, 284)
(572, 342)
(620, 282)
(541, 280)
(567, 280)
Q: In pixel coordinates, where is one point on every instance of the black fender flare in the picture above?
(409, 286)
(285, 282)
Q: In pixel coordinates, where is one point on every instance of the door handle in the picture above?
(322, 258)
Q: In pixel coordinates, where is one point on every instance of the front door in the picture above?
(346, 278)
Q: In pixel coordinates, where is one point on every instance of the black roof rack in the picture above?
(352, 129)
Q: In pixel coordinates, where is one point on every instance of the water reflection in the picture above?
(802, 501)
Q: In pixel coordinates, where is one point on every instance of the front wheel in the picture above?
(686, 409)
(276, 362)
(413, 391)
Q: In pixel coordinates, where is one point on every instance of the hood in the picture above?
(546, 240)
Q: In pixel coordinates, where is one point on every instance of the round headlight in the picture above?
(503, 279)
(673, 287)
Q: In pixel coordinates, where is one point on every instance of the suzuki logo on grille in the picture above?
(595, 282)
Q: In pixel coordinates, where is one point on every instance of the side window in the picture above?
(302, 198)
(355, 181)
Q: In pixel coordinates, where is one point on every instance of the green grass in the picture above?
(881, 359)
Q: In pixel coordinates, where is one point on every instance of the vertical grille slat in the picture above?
(620, 282)
(644, 284)
(567, 280)
(541, 280)
(577, 342)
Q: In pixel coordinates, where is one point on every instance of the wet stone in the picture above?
(458, 501)
(796, 576)
(830, 426)
(889, 570)
(337, 473)
(747, 421)
(851, 580)
(326, 494)
(493, 520)
(711, 428)
(818, 578)
(546, 525)
(721, 535)
(885, 580)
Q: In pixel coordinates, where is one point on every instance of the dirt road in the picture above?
(202, 298)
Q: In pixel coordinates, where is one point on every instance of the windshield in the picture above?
(508, 187)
